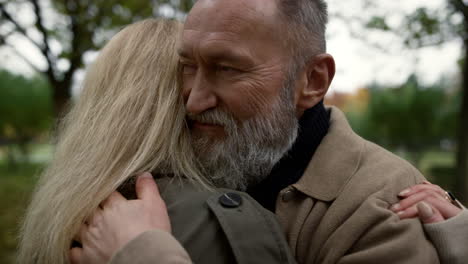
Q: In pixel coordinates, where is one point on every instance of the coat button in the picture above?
(230, 200)
(288, 196)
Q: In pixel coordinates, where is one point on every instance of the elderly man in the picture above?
(255, 73)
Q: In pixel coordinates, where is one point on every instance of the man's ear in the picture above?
(314, 81)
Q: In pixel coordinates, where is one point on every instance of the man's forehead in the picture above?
(230, 15)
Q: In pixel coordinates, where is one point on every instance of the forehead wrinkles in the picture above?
(211, 44)
(232, 16)
(237, 23)
(234, 31)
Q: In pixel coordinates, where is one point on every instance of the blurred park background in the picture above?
(402, 81)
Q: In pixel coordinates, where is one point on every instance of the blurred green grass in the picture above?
(16, 186)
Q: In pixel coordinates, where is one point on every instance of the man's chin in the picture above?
(204, 145)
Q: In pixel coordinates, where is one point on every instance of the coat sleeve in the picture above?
(450, 238)
(388, 239)
(152, 247)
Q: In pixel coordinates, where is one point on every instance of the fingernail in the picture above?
(424, 210)
(401, 212)
(404, 192)
(146, 175)
(395, 207)
(426, 182)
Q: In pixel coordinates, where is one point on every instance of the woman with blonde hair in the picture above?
(129, 119)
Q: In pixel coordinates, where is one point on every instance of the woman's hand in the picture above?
(427, 201)
(118, 221)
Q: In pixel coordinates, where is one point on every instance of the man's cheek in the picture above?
(245, 101)
(258, 103)
(186, 84)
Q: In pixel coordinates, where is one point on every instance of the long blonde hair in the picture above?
(128, 119)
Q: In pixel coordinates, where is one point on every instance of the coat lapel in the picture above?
(337, 158)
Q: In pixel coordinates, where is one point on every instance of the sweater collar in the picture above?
(313, 126)
(335, 161)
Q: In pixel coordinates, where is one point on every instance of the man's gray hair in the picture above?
(305, 23)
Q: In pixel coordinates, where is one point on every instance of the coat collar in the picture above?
(336, 159)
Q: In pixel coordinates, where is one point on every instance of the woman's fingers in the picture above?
(446, 208)
(96, 217)
(422, 187)
(76, 255)
(91, 221)
(427, 201)
(415, 198)
(114, 198)
(146, 189)
(428, 214)
(408, 213)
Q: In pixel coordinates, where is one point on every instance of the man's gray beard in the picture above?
(250, 150)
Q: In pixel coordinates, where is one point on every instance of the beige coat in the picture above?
(338, 211)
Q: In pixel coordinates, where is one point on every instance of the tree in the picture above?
(405, 117)
(77, 27)
(428, 27)
(25, 111)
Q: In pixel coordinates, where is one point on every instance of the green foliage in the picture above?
(25, 110)
(425, 22)
(424, 26)
(92, 22)
(408, 117)
(427, 27)
(377, 22)
(64, 31)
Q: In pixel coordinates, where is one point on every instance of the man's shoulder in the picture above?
(376, 160)
(380, 172)
(383, 173)
(353, 182)
(346, 164)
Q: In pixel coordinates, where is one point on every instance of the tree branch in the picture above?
(3, 37)
(461, 7)
(18, 27)
(45, 35)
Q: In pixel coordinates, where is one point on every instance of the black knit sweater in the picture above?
(313, 126)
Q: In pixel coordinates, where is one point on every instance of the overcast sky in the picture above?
(358, 63)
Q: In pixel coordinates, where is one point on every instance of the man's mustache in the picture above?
(213, 117)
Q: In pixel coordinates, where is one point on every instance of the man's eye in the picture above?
(189, 69)
(222, 68)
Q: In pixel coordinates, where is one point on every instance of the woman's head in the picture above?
(128, 119)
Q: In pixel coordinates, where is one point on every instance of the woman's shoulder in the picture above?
(243, 230)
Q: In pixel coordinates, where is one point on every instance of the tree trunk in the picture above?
(61, 94)
(11, 159)
(461, 181)
(24, 150)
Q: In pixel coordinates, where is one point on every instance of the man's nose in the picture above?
(200, 96)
